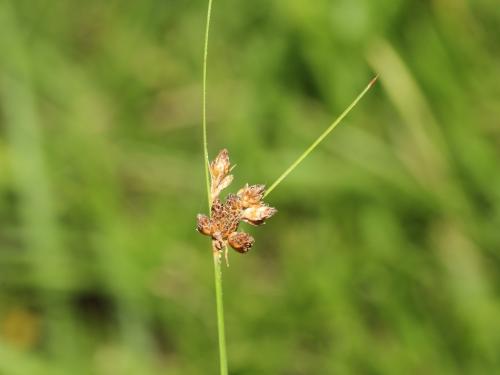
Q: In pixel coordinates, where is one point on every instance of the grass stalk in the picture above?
(216, 258)
(320, 138)
(220, 314)
(204, 105)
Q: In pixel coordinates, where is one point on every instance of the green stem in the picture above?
(216, 255)
(320, 138)
(204, 100)
(220, 314)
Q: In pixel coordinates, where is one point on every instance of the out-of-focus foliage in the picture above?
(384, 257)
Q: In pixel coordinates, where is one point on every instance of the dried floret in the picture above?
(240, 241)
(258, 214)
(204, 225)
(251, 195)
(219, 174)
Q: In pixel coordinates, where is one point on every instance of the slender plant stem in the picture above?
(204, 100)
(216, 257)
(220, 314)
(320, 138)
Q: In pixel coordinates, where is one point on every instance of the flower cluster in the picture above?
(225, 217)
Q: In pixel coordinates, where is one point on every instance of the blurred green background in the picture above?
(384, 257)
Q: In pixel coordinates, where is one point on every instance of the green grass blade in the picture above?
(320, 138)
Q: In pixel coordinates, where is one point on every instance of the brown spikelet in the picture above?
(240, 241)
(203, 224)
(251, 195)
(258, 214)
(219, 174)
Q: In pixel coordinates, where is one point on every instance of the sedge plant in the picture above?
(246, 205)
